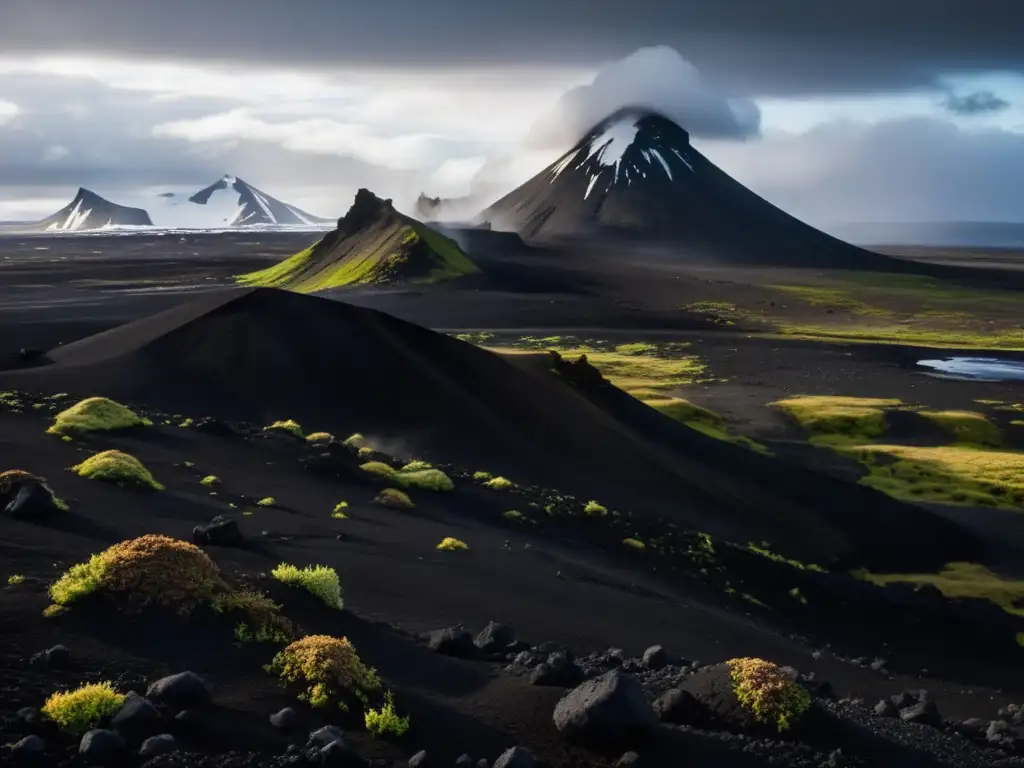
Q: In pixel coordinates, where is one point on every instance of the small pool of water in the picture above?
(977, 368)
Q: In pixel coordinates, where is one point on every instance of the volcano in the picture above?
(231, 202)
(373, 244)
(90, 211)
(635, 175)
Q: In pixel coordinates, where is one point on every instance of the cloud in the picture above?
(656, 78)
(55, 153)
(8, 111)
(976, 103)
(914, 169)
(796, 48)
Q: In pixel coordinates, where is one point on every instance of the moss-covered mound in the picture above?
(85, 707)
(328, 671)
(373, 244)
(149, 570)
(13, 481)
(392, 498)
(750, 694)
(968, 427)
(839, 419)
(95, 414)
(120, 468)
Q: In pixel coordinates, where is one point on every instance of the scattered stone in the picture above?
(221, 531)
(28, 715)
(482, 763)
(886, 708)
(285, 719)
(558, 671)
(608, 711)
(162, 744)
(326, 735)
(58, 657)
(997, 731)
(33, 499)
(495, 637)
(28, 748)
(923, 713)
(904, 700)
(190, 720)
(678, 707)
(100, 746)
(452, 642)
(338, 755)
(628, 760)
(655, 657)
(517, 757)
(137, 718)
(183, 690)
(464, 759)
(419, 760)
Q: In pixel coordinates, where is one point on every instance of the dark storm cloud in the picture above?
(763, 48)
(977, 103)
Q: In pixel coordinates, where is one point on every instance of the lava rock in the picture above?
(516, 757)
(608, 711)
(162, 744)
(482, 763)
(495, 637)
(655, 657)
(923, 713)
(183, 690)
(338, 755)
(904, 700)
(452, 642)
(221, 531)
(419, 760)
(285, 719)
(886, 708)
(678, 707)
(329, 734)
(100, 746)
(997, 732)
(28, 748)
(33, 499)
(558, 671)
(137, 718)
(28, 715)
(464, 759)
(58, 657)
(628, 760)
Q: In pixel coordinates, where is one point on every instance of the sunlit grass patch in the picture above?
(119, 468)
(595, 509)
(839, 419)
(319, 580)
(962, 580)
(210, 481)
(967, 427)
(95, 414)
(830, 298)
(1008, 339)
(85, 707)
(703, 420)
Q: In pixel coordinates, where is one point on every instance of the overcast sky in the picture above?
(837, 111)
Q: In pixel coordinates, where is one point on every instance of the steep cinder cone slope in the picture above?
(635, 174)
(373, 244)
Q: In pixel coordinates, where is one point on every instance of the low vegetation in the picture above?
(636, 544)
(289, 425)
(119, 468)
(427, 479)
(319, 438)
(355, 440)
(210, 481)
(961, 580)
(338, 513)
(765, 690)
(385, 722)
(836, 420)
(266, 501)
(450, 544)
(704, 420)
(499, 483)
(83, 708)
(95, 414)
(328, 671)
(392, 498)
(595, 509)
(967, 427)
(320, 581)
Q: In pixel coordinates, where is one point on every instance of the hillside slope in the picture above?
(373, 244)
(90, 211)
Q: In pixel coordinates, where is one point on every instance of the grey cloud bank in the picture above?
(976, 103)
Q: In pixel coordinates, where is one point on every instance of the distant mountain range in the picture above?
(90, 211)
(232, 202)
(948, 234)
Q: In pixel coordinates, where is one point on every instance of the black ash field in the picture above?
(769, 451)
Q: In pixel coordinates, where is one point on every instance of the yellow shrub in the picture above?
(768, 693)
(329, 670)
(83, 708)
(385, 721)
(95, 414)
(319, 580)
(450, 544)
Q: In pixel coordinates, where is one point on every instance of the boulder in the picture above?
(452, 642)
(559, 671)
(32, 499)
(886, 708)
(337, 755)
(137, 718)
(101, 747)
(516, 757)
(655, 657)
(326, 735)
(182, 691)
(285, 719)
(678, 707)
(419, 760)
(608, 711)
(28, 748)
(154, 746)
(628, 760)
(495, 637)
(58, 657)
(221, 531)
(923, 713)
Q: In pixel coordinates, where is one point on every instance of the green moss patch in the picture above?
(95, 414)
(961, 580)
(119, 468)
(78, 710)
(832, 419)
(705, 421)
(289, 425)
(319, 580)
(967, 427)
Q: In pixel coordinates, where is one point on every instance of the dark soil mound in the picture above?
(264, 355)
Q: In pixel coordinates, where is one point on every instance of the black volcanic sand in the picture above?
(567, 583)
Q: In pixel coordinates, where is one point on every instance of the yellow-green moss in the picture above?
(967, 427)
(116, 467)
(210, 480)
(394, 499)
(705, 421)
(450, 544)
(764, 690)
(636, 544)
(385, 722)
(378, 468)
(288, 425)
(839, 419)
(425, 479)
(319, 437)
(961, 580)
(499, 483)
(267, 501)
(318, 580)
(95, 414)
(328, 670)
(595, 509)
